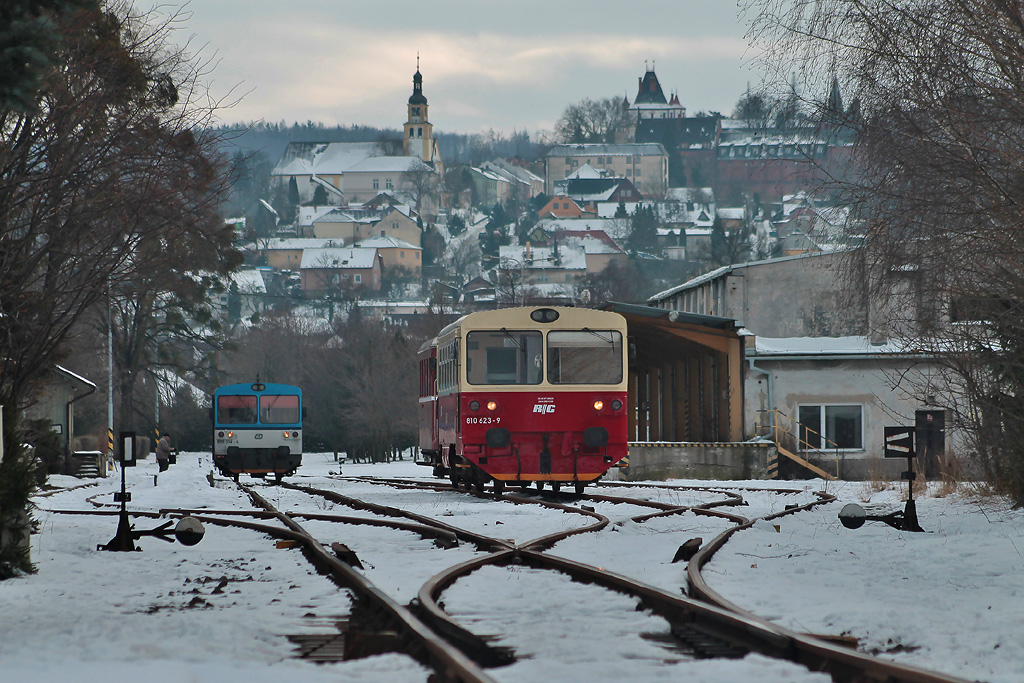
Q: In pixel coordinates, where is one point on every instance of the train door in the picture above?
(931, 439)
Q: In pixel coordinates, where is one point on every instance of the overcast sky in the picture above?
(486, 64)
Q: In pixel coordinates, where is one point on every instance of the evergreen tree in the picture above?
(643, 234)
(320, 196)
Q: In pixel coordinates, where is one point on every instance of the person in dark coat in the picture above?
(163, 451)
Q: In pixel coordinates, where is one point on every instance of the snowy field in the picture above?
(949, 599)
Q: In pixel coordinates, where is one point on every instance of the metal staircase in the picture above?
(786, 433)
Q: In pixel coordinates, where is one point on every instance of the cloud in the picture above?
(320, 63)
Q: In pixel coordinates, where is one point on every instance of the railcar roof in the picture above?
(246, 388)
(506, 317)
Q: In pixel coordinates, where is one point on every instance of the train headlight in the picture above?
(616, 404)
(598, 405)
(231, 435)
(492, 406)
(474, 405)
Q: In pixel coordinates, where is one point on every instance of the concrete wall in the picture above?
(661, 461)
(883, 387)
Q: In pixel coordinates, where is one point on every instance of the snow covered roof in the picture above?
(493, 176)
(75, 376)
(585, 172)
(644, 149)
(609, 209)
(724, 270)
(249, 281)
(732, 213)
(385, 242)
(570, 257)
(327, 186)
(521, 172)
(508, 174)
(349, 216)
(825, 346)
(323, 158)
(592, 244)
(294, 243)
(309, 214)
(338, 258)
(703, 195)
(389, 165)
(617, 228)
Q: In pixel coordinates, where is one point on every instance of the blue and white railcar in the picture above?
(257, 429)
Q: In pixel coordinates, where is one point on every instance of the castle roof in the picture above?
(650, 91)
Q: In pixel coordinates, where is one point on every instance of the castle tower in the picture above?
(650, 102)
(418, 133)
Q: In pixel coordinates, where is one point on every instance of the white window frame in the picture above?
(823, 421)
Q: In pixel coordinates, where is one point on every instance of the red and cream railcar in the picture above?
(525, 395)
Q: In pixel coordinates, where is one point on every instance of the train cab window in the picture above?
(239, 410)
(279, 410)
(504, 357)
(585, 357)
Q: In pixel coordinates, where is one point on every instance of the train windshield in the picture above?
(585, 357)
(238, 410)
(504, 357)
(279, 410)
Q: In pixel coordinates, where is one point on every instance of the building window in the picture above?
(388, 184)
(376, 183)
(358, 278)
(401, 254)
(419, 132)
(415, 111)
(412, 133)
(637, 174)
(830, 427)
(394, 225)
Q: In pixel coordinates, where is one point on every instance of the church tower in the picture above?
(418, 137)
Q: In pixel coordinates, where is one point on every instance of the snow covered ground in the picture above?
(949, 599)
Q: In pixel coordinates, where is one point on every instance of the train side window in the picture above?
(584, 357)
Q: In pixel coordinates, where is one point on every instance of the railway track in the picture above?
(707, 627)
(702, 625)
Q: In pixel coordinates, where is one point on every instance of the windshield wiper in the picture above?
(610, 341)
(505, 332)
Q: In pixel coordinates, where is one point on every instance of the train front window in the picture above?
(279, 410)
(504, 357)
(236, 410)
(585, 357)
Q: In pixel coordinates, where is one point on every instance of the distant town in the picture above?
(632, 197)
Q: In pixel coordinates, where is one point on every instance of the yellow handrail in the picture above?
(779, 435)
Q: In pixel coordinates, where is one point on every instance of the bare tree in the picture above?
(100, 181)
(591, 121)
(422, 182)
(376, 373)
(937, 176)
(462, 258)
